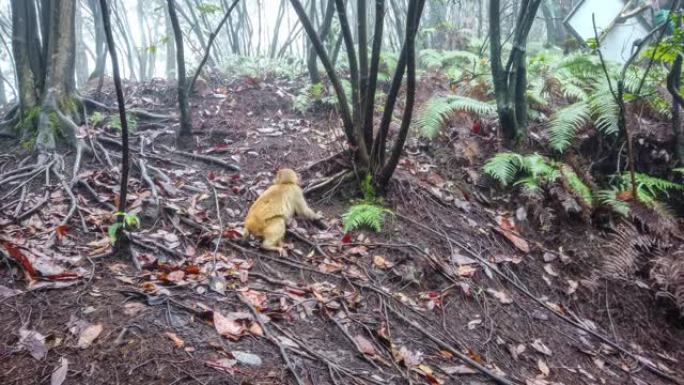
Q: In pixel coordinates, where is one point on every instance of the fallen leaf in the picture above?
(539, 346)
(549, 270)
(517, 241)
(61, 230)
(228, 327)
(501, 296)
(365, 346)
(516, 350)
(466, 271)
(133, 308)
(88, 335)
(543, 367)
(572, 287)
(458, 369)
(381, 263)
(247, 358)
(33, 342)
(361, 251)
(59, 375)
(176, 340)
(347, 238)
(222, 364)
(176, 276)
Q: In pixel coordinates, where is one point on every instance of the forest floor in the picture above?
(451, 277)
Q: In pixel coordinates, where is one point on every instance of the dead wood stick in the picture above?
(269, 336)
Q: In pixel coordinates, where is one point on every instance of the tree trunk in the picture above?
(45, 71)
(100, 43)
(185, 119)
(510, 81)
(170, 49)
(81, 59)
(311, 58)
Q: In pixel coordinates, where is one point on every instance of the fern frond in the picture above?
(604, 109)
(435, 112)
(565, 123)
(364, 214)
(504, 167)
(610, 199)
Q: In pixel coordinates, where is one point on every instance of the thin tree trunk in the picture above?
(122, 242)
(170, 49)
(276, 30)
(185, 120)
(81, 59)
(100, 41)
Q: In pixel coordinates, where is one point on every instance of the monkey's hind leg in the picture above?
(273, 234)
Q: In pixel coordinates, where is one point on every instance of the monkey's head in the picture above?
(286, 175)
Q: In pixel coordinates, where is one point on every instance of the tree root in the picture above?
(142, 114)
(327, 182)
(209, 159)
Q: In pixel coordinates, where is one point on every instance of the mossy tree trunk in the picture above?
(45, 70)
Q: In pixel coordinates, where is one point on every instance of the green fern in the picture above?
(504, 167)
(605, 111)
(649, 188)
(435, 112)
(364, 214)
(565, 123)
(532, 172)
(609, 198)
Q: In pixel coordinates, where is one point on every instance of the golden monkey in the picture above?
(273, 210)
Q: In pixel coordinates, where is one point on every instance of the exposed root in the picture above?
(325, 183)
(142, 114)
(209, 159)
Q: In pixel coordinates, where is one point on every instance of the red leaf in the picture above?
(232, 234)
(62, 230)
(192, 269)
(211, 175)
(221, 147)
(15, 253)
(347, 238)
(477, 127)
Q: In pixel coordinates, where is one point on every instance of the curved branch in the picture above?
(212, 37)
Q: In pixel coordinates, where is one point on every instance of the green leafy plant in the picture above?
(115, 123)
(365, 214)
(437, 110)
(96, 118)
(130, 222)
(533, 172)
